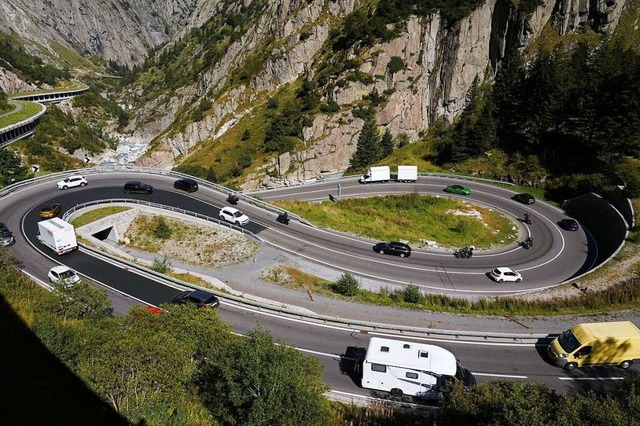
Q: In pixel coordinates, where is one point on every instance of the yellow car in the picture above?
(50, 210)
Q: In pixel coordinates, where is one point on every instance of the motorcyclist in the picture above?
(527, 219)
(529, 242)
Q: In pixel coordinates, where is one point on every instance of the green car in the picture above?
(457, 189)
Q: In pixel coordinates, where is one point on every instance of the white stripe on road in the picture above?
(508, 376)
(591, 378)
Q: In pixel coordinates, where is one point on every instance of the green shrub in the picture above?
(412, 294)
(329, 107)
(396, 64)
(162, 230)
(161, 265)
(347, 285)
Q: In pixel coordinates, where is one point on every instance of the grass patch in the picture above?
(97, 214)
(410, 217)
(190, 278)
(29, 109)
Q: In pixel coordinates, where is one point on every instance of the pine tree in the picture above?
(386, 144)
(369, 149)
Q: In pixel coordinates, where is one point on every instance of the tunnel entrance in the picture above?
(104, 234)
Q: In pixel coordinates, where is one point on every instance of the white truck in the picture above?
(407, 174)
(58, 235)
(376, 174)
(409, 368)
(383, 174)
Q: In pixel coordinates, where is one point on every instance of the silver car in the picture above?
(6, 236)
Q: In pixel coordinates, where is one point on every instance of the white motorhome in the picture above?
(409, 368)
(58, 235)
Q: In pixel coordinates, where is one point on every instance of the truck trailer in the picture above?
(407, 174)
(409, 368)
(58, 235)
(598, 343)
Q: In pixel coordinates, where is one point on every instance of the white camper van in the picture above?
(409, 368)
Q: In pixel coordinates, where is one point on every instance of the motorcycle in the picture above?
(527, 219)
(464, 252)
(528, 243)
(233, 199)
(283, 218)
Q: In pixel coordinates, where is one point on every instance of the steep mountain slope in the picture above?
(264, 66)
(119, 30)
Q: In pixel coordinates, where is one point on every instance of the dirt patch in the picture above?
(189, 242)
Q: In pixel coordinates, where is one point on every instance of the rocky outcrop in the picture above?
(11, 83)
(440, 65)
(598, 15)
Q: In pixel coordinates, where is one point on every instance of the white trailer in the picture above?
(409, 368)
(376, 174)
(407, 174)
(58, 235)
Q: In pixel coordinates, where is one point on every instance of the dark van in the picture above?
(524, 198)
(186, 184)
(137, 187)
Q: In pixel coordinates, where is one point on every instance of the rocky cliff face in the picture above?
(441, 62)
(120, 30)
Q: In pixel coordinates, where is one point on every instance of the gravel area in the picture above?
(211, 246)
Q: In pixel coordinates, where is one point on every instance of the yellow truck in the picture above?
(598, 343)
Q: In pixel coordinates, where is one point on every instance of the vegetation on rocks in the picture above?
(30, 68)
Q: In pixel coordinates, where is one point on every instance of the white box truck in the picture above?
(376, 174)
(58, 235)
(409, 368)
(407, 174)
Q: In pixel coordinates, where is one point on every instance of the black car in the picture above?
(569, 224)
(398, 249)
(524, 198)
(137, 187)
(200, 298)
(186, 184)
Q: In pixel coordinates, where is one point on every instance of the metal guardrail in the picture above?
(77, 207)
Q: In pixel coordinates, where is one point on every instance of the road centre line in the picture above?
(507, 376)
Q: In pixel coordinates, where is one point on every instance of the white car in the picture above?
(233, 215)
(505, 274)
(63, 275)
(72, 181)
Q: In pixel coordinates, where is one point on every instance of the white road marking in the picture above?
(508, 376)
(590, 378)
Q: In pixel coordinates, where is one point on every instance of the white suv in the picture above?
(505, 274)
(63, 275)
(72, 181)
(233, 215)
